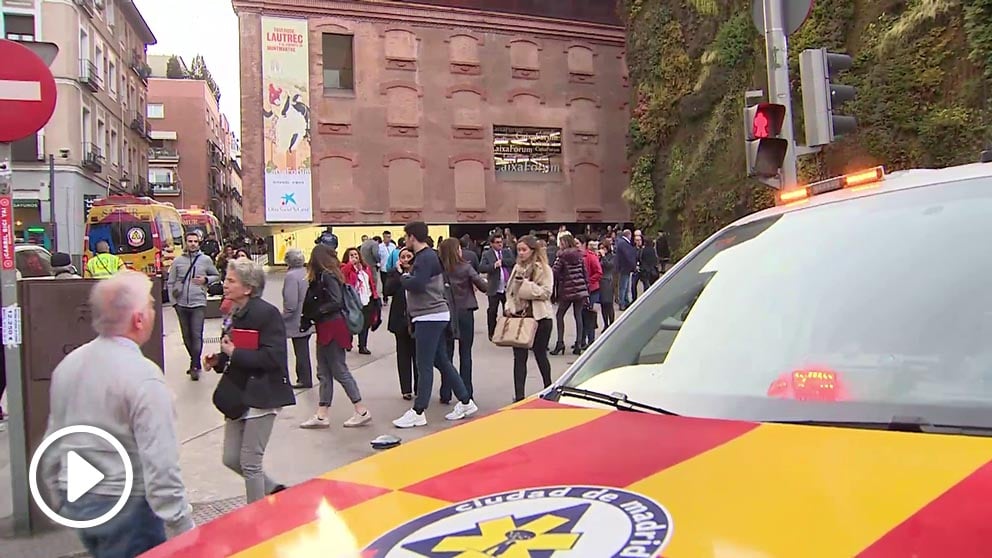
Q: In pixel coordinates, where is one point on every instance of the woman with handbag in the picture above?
(573, 290)
(464, 279)
(528, 297)
(359, 275)
(399, 324)
(255, 383)
(323, 305)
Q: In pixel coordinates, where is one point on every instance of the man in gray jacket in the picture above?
(108, 384)
(189, 277)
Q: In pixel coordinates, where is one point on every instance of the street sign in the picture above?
(12, 326)
(6, 234)
(794, 15)
(27, 92)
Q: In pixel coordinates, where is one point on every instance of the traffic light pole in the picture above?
(777, 58)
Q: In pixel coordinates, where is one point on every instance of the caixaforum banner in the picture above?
(286, 115)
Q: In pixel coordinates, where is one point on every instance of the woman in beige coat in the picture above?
(529, 293)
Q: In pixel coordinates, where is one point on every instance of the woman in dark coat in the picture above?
(607, 284)
(255, 385)
(464, 280)
(572, 288)
(399, 325)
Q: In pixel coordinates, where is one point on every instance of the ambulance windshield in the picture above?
(888, 294)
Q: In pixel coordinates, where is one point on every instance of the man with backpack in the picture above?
(429, 311)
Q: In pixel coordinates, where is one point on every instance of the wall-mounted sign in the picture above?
(527, 150)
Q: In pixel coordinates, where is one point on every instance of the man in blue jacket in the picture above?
(428, 310)
(626, 265)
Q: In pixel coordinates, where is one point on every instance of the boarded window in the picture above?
(586, 186)
(470, 185)
(402, 106)
(401, 45)
(406, 184)
(467, 106)
(336, 187)
(463, 48)
(580, 61)
(582, 116)
(524, 55)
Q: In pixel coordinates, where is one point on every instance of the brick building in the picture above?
(190, 161)
(454, 112)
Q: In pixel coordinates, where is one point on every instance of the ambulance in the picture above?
(146, 234)
(196, 219)
(814, 380)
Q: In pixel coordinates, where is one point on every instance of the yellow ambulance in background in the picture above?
(146, 234)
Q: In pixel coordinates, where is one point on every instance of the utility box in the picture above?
(56, 321)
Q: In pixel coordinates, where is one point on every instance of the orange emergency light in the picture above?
(856, 180)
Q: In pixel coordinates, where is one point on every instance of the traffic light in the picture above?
(766, 148)
(821, 98)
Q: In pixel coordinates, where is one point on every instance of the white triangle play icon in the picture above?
(80, 476)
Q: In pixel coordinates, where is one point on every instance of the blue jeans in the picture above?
(466, 328)
(431, 353)
(136, 529)
(624, 290)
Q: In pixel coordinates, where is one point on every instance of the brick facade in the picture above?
(415, 139)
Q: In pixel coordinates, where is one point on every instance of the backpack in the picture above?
(352, 311)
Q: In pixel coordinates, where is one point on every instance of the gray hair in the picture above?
(295, 258)
(250, 273)
(115, 300)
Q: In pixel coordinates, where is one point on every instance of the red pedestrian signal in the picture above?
(766, 150)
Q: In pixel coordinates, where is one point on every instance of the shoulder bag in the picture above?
(517, 331)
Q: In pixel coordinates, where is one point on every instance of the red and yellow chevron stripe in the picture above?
(732, 488)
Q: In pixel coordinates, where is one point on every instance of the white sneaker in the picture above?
(463, 410)
(410, 419)
(358, 420)
(315, 422)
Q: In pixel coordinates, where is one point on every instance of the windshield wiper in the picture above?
(616, 400)
(899, 424)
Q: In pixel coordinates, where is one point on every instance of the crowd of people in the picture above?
(432, 301)
(431, 290)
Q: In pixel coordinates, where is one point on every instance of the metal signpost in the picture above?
(27, 101)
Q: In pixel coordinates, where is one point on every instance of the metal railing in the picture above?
(163, 154)
(165, 187)
(92, 157)
(138, 123)
(89, 74)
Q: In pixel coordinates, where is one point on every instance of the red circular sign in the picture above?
(4, 202)
(27, 92)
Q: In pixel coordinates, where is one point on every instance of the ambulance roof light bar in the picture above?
(852, 180)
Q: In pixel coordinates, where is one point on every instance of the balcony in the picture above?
(163, 155)
(89, 75)
(165, 188)
(87, 5)
(139, 66)
(92, 157)
(138, 124)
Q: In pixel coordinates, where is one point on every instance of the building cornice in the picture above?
(426, 15)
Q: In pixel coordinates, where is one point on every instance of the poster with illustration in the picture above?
(286, 117)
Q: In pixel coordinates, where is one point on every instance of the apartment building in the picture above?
(97, 140)
(190, 163)
(460, 112)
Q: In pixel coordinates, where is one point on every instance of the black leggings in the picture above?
(540, 349)
(576, 313)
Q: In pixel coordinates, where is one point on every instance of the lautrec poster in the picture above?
(286, 117)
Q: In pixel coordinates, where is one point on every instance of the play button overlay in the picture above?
(81, 476)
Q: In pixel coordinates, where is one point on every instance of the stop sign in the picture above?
(27, 92)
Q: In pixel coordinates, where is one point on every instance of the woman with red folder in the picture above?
(255, 384)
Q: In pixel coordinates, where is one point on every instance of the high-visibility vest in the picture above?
(102, 266)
